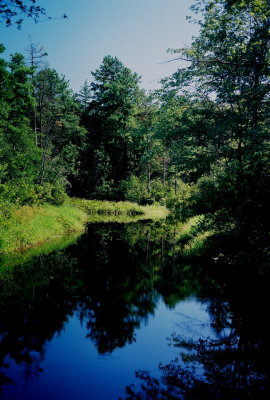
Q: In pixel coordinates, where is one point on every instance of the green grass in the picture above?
(94, 207)
(185, 230)
(32, 226)
(29, 227)
(155, 212)
(8, 261)
(197, 244)
(191, 239)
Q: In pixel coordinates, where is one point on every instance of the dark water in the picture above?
(79, 322)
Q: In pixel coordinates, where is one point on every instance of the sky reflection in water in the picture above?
(78, 322)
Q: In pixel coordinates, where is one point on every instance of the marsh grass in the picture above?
(196, 246)
(8, 261)
(186, 230)
(118, 208)
(191, 238)
(32, 226)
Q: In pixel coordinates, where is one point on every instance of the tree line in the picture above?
(199, 143)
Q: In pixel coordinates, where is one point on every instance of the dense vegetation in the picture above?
(200, 144)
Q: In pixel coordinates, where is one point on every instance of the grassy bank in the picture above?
(9, 260)
(190, 238)
(121, 208)
(29, 227)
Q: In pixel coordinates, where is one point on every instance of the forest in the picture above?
(78, 172)
(200, 144)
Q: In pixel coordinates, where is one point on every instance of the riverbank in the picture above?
(32, 226)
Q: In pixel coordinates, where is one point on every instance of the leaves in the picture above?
(15, 11)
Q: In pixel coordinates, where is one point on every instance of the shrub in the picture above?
(134, 189)
(6, 210)
(58, 195)
(206, 194)
(21, 193)
(182, 203)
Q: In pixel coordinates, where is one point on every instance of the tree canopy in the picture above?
(199, 144)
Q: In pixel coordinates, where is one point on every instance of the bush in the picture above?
(58, 195)
(134, 189)
(104, 191)
(6, 210)
(21, 193)
(206, 194)
(18, 193)
(182, 203)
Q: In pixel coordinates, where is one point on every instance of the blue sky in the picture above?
(138, 32)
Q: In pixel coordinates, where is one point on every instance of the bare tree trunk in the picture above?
(148, 178)
(148, 167)
(175, 183)
(43, 161)
(35, 125)
(164, 171)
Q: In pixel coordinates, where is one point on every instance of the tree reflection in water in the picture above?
(112, 279)
(236, 364)
(227, 371)
(109, 279)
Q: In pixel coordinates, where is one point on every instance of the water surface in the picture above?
(78, 322)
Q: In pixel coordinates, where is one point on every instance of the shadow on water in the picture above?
(109, 278)
(234, 365)
(112, 279)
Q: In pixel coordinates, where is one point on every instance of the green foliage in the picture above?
(197, 245)
(84, 96)
(199, 150)
(218, 133)
(134, 189)
(22, 193)
(6, 209)
(207, 193)
(30, 226)
(19, 156)
(118, 208)
(58, 195)
(40, 133)
(111, 118)
(180, 201)
(57, 126)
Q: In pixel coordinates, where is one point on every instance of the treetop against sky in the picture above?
(137, 32)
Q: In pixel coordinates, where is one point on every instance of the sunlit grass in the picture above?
(155, 211)
(8, 261)
(32, 226)
(185, 230)
(197, 244)
(191, 237)
(119, 208)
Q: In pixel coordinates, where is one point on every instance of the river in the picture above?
(79, 321)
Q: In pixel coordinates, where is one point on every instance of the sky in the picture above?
(138, 32)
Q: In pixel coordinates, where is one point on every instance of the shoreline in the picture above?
(34, 226)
